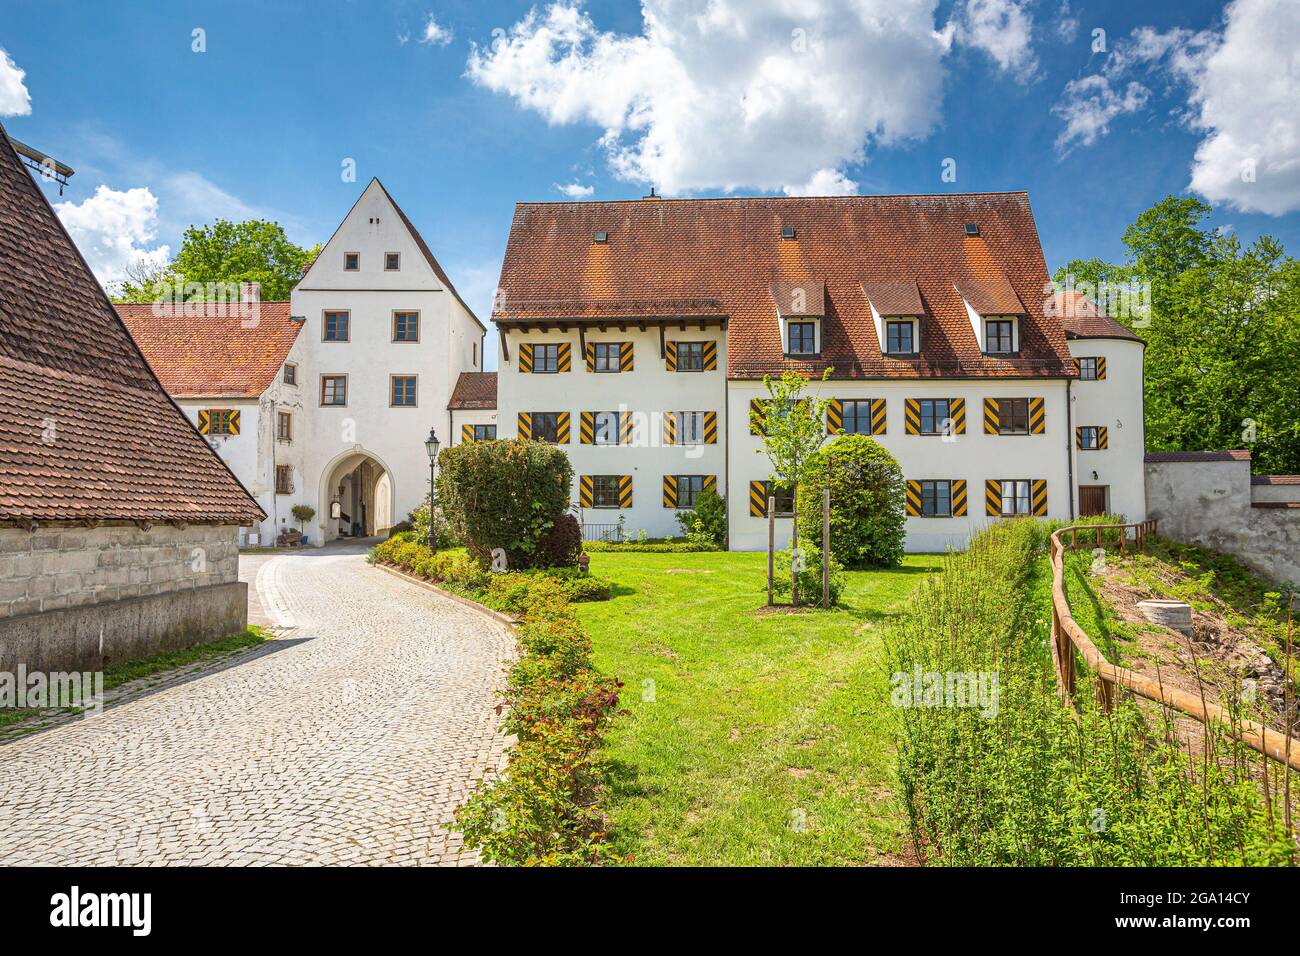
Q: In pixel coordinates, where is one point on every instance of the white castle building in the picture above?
(326, 400)
(637, 335)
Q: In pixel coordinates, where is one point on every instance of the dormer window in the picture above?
(351, 262)
(896, 310)
(900, 337)
(802, 338)
(999, 336)
(800, 308)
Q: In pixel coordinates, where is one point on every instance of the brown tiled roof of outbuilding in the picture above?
(1082, 319)
(474, 390)
(227, 353)
(1160, 457)
(731, 251)
(86, 431)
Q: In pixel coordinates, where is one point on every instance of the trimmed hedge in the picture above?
(545, 810)
(507, 495)
(502, 591)
(868, 525)
(647, 547)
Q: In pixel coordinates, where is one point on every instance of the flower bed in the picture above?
(546, 808)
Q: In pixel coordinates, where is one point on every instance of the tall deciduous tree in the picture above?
(1223, 335)
(224, 255)
(793, 428)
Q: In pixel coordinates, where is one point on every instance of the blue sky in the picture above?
(733, 96)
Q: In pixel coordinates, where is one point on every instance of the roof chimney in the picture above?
(652, 194)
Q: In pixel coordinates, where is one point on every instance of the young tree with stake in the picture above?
(793, 426)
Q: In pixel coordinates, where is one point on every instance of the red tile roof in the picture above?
(86, 431)
(474, 390)
(1082, 319)
(894, 298)
(1275, 480)
(231, 355)
(729, 251)
(1239, 454)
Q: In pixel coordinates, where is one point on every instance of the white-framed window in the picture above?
(999, 336)
(801, 338)
(900, 337)
(605, 427)
(690, 428)
(290, 373)
(1015, 497)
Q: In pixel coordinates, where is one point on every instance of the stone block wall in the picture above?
(1213, 504)
(76, 597)
(61, 567)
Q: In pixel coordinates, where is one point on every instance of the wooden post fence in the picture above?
(826, 548)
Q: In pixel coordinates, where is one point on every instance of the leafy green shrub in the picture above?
(503, 494)
(868, 523)
(706, 523)
(1021, 779)
(810, 578)
(545, 809)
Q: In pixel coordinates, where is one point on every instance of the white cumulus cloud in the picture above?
(575, 190)
(435, 33)
(114, 229)
(1001, 28)
(14, 98)
(1242, 85)
(825, 182)
(730, 94)
(1245, 96)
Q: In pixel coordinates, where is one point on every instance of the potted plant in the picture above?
(302, 514)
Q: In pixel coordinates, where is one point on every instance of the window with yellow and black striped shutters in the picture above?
(466, 434)
(934, 416)
(1010, 497)
(605, 491)
(526, 357)
(1092, 368)
(692, 356)
(758, 498)
(859, 416)
(218, 421)
(682, 491)
(710, 428)
(936, 498)
(609, 357)
(757, 416)
(710, 356)
(473, 433)
(1090, 437)
(603, 428)
(550, 427)
(670, 356)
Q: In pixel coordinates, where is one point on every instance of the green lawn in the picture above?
(752, 738)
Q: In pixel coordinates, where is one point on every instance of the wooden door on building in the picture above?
(1092, 500)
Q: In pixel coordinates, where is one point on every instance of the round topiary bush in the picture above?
(503, 494)
(867, 495)
(560, 546)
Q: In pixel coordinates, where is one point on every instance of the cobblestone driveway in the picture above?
(349, 739)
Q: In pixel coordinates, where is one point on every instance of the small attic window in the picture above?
(972, 229)
(787, 232)
(351, 261)
(600, 238)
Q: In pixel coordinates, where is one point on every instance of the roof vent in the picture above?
(787, 232)
(652, 194)
(297, 318)
(972, 229)
(600, 237)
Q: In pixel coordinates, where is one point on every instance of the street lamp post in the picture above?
(431, 446)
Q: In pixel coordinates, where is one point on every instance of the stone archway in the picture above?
(361, 484)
